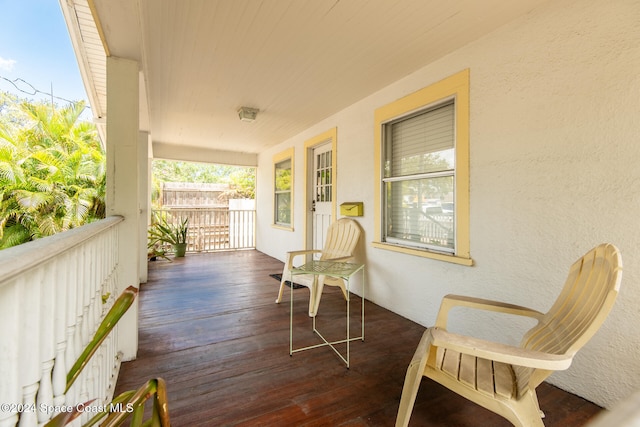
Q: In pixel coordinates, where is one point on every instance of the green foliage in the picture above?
(52, 170)
(241, 180)
(177, 171)
(283, 176)
(164, 231)
(243, 183)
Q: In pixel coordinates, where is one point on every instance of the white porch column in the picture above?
(144, 198)
(122, 183)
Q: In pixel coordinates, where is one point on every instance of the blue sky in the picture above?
(35, 47)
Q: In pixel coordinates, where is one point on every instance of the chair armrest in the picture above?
(304, 252)
(450, 301)
(293, 254)
(500, 352)
(340, 259)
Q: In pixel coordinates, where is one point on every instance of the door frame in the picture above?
(330, 136)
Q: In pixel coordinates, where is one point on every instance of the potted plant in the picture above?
(162, 231)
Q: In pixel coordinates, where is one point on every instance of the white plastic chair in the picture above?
(504, 378)
(340, 244)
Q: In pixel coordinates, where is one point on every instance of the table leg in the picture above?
(363, 286)
(291, 318)
(348, 318)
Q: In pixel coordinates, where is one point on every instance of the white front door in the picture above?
(322, 193)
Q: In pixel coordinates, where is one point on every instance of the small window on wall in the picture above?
(283, 189)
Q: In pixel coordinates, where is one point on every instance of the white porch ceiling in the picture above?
(298, 61)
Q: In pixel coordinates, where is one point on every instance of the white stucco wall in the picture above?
(554, 149)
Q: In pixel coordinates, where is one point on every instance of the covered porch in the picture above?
(208, 325)
(550, 170)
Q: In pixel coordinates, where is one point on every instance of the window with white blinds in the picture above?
(418, 179)
(421, 152)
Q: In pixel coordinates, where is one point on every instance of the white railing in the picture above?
(438, 229)
(215, 229)
(53, 294)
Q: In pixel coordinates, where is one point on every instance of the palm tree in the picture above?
(52, 172)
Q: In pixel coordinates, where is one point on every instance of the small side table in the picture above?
(342, 270)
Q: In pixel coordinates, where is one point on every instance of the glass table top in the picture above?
(328, 268)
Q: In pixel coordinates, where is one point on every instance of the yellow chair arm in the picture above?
(304, 252)
(339, 259)
(293, 254)
(451, 301)
(500, 352)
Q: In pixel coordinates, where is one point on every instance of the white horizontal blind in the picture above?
(429, 132)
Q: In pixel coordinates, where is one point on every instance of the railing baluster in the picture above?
(86, 291)
(28, 416)
(78, 338)
(10, 392)
(91, 282)
(47, 339)
(44, 398)
(29, 372)
(71, 315)
(58, 376)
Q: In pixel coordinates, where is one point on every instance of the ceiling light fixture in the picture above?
(247, 114)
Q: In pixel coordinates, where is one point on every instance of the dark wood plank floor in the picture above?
(209, 326)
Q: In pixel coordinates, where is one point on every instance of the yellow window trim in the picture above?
(277, 158)
(332, 136)
(456, 86)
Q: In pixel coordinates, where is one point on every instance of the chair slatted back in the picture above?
(584, 303)
(342, 238)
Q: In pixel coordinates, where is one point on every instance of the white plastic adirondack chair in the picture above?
(340, 244)
(504, 378)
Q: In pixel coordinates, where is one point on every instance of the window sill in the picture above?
(424, 253)
(282, 227)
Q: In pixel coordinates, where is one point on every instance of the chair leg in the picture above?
(343, 288)
(412, 380)
(286, 275)
(315, 293)
(535, 398)
(281, 290)
(526, 412)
